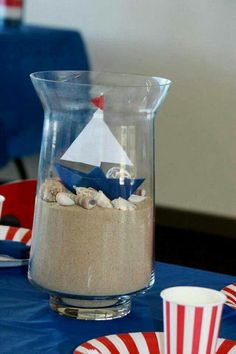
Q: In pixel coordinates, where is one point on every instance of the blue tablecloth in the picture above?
(22, 51)
(28, 326)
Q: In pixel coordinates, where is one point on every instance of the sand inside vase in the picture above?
(92, 252)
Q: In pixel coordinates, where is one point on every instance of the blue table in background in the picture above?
(22, 51)
(28, 326)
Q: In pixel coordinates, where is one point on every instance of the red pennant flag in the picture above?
(98, 101)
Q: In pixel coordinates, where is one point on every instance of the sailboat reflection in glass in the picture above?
(92, 244)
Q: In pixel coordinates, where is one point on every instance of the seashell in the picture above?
(79, 190)
(50, 188)
(102, 200)
(141, 191)
(85, 201)
(78, 199)
(134, 198)
(88, 203)
(123, 204)
(64, 199)
(72, 196)
(85, 191)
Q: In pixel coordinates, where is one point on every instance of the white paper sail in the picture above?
(96, 144)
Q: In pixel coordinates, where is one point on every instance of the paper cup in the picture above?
(2, 199)
(192, 317)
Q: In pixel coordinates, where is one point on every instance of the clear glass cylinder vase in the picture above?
(93, 239)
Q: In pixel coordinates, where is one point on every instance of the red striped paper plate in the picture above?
(139, 343)
(230, 293)
(19, 234)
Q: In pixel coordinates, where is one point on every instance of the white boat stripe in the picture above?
(99, 346)
(3, 232)
(119, 344)
(140, 342)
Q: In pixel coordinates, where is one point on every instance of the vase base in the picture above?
(91, 309)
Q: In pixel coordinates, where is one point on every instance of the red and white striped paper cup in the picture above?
(192, 317)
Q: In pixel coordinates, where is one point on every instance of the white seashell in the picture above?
(78, 199)
(85, 191)
(78, 190)
(72, 196)
(102, 200)
(123, 204)
(50, 188)
(87, 203)
(64, 199)
(134, 198)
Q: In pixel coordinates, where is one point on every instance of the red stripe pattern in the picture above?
(154, 342)
(129, 342)
(27, 236)
(211, 330)
(90, 347)
(191, 330)
(10, 234)
(15, 234)
(230, 294)
(108, 344)
(226, 346)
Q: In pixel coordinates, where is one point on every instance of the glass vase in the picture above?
(93, 239)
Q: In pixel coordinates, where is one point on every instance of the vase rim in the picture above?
(65, 77)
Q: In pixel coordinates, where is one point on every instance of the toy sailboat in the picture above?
(96, 145)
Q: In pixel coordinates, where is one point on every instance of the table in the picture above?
(28, 326)
(25, 50)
